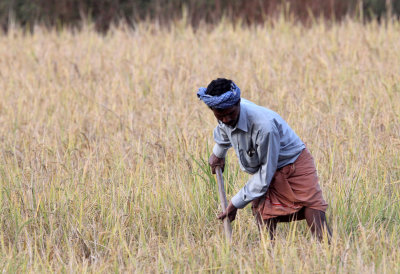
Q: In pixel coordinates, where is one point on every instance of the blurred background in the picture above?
(103, 13)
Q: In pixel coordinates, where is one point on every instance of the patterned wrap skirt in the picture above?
(293, 187)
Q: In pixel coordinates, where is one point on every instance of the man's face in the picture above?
(228, 116)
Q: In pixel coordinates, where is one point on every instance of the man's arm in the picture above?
(268, 153)
(222, 144)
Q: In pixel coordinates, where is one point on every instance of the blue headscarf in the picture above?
(223, 101)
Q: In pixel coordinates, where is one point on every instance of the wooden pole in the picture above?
(224, 202)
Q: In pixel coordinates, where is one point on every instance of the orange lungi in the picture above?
(293, 186)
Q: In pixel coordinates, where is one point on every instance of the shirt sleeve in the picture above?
(222, 142)
(268, 153)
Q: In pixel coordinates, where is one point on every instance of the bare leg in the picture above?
(297, 216)
(316, 220)
(269, 223)
(272, 222)
(271, 226)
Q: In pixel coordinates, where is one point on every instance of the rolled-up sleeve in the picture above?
(268, 153)
(222, 142)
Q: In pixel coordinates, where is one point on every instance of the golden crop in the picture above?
(104, 146)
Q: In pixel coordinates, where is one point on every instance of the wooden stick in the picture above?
(224, 203)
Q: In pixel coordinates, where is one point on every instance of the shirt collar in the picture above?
(242, 123)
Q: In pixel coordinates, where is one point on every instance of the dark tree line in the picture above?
(57, 13)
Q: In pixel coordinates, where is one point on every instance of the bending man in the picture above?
(284, 186)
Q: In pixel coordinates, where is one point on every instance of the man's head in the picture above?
(218, 86)
(223, 97)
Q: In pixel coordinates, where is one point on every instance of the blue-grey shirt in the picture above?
(263, 142)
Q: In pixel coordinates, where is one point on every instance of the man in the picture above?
(284, 186)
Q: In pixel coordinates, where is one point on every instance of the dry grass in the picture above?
(103, 146)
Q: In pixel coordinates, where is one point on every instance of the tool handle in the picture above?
(224, 202)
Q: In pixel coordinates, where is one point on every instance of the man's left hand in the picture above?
(230, 211)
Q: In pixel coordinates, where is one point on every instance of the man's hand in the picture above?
(230, 211)
(214, 161)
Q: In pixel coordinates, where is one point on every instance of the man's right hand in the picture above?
(214, 161)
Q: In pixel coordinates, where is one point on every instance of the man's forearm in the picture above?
(220, 150)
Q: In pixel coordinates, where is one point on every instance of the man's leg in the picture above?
(272, 222)
(271, 226)
(297, 216)
(269, 223)
(316, 220)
